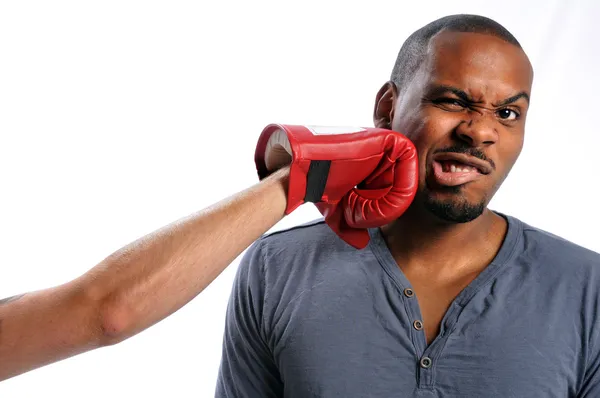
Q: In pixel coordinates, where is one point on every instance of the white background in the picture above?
(118, 117)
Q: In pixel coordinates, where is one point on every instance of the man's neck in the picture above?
(424, 244)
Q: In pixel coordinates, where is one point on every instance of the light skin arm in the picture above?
(138, 285)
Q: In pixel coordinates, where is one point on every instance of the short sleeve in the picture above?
(591, 381)
(590, 387)
(247, 367)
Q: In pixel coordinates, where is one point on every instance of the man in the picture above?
(451, 299)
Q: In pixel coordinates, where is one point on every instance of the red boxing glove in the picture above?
(358, 178)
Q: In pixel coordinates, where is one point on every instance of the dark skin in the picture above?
(471, 95)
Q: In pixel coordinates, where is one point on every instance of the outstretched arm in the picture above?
(138, 285)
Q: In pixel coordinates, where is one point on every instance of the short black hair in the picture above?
(413, 51)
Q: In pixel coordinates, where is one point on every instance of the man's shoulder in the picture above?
(542, 244)
(313, 235)
(303, 248)
(286, 262)
(309, 230)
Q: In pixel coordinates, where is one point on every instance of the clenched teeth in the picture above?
(450, 167)
(457, 169)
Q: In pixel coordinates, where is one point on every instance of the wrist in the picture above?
(278, 183)
(282, 177)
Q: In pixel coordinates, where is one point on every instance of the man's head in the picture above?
(460, 91)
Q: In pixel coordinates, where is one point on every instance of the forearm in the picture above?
(139, 284)
(151, 278)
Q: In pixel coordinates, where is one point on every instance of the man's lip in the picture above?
(481, 165)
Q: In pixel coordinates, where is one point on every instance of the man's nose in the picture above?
(478, 128)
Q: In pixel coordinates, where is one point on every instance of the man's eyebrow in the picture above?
(442, 88)
(439, 89)
(514, 98)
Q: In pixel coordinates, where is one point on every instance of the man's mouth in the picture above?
(450, 166)
(452, 169)
(462, 161)
(449, 173)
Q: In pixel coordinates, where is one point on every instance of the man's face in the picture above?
(465, 112)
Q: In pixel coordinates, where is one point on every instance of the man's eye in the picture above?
(450, 103)
(508, 114)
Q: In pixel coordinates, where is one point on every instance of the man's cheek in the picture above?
(510, 156)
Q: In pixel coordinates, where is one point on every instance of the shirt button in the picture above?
(408, 292)
(426, 362)
(418, 325)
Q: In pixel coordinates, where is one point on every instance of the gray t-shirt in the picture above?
(310, 316)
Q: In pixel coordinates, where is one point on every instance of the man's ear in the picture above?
(385, 104)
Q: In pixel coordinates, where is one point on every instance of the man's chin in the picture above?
(454, 211)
